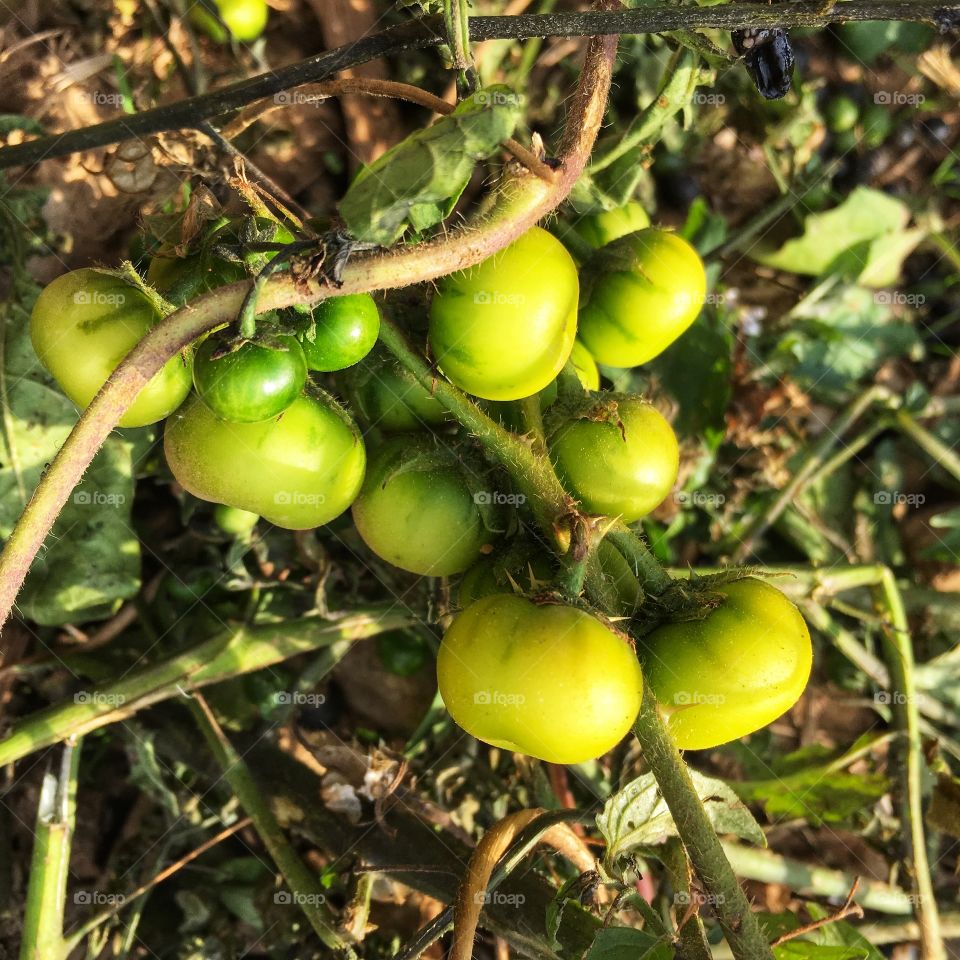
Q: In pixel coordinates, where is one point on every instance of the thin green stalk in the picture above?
(305, 889)
(532, 417)
(849, 451)
(532, 473)
(906, 710)
(682, 77)
(812, 880)
(228, 654)
(942, 243)
(737, 920)
(930, 444)
(49, 866)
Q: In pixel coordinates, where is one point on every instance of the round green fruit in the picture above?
(503, 329)
(84, 323)
(620, 459)
(245, 19)
(550, 681)
(733, 672)
(389, 397)
(299, 470)
(254, 382)
(585, 367)
(344, 331)
(417, 511)
(236, 522)
(648, 288)
(599, 229)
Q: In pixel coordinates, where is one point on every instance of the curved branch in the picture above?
(523, 200)
(429, 32)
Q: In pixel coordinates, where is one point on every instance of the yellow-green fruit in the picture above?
(599, 229)
(550, 681)
(585, 366)
(652, 287)
(733, 672)
(299, 470)
(503, 329)
(245, 19)
(618, 463)
(84, 323)
(418, 511)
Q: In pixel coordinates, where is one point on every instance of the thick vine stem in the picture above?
(429, 32)
(530, 471)
(523, 200)
(739, 923)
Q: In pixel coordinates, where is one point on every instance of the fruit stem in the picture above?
(739, 923)
(532, 472)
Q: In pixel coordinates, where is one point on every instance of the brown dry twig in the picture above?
(849, 909)
(495, 843)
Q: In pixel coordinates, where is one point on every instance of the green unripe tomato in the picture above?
(599, 229)
(236, 522)
(298, 471)
(503, 329)
(344, 332)
(390, 398)
(620, 460)
(585, 366)
(256, 382)
(648, 289)
(735, 671)
(245, 19)
(549, 681)
(842, 114)
(417, 511)
(84, 323)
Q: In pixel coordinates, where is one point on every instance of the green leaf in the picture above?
(865, 237)
(805, 950)
(695, 371)
(91, 559)
(418, 182)
(838, 340)
(837, 940)
(841, 934)
(637, 816)
(819, 792)
(626, 943)
(866, 41)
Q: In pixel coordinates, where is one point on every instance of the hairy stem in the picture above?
(739, 923)
(532, 473)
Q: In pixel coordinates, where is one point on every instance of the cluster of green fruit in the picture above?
(259, 436)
